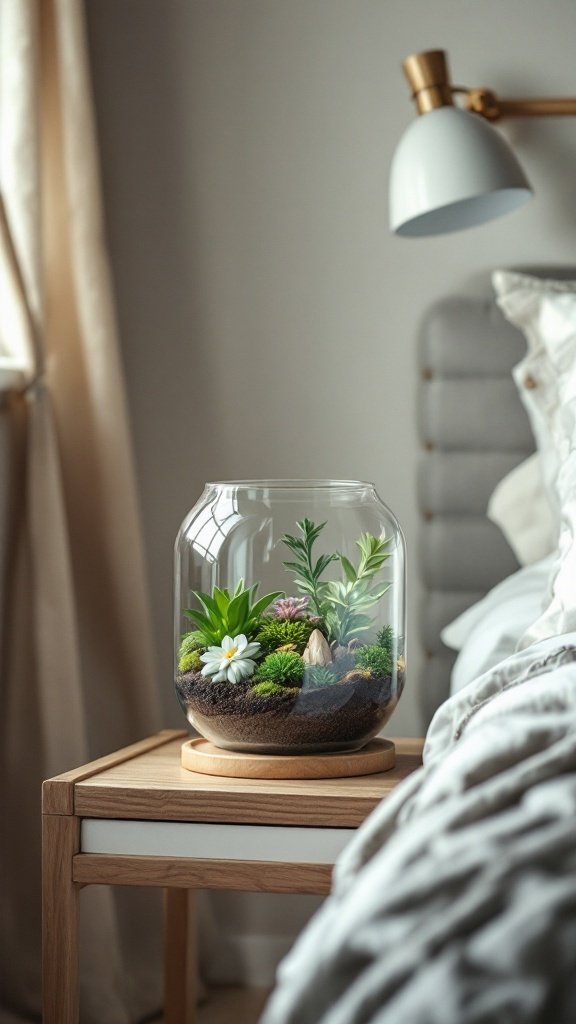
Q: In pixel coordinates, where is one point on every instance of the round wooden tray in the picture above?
(199, 755)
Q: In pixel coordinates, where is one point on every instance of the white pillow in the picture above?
(530, 582)
(489, 631)
(546, 310)
(520, 507)
(521, 298)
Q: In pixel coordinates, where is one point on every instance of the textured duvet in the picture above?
(456, 901)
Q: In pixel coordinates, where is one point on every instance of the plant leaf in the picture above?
(207, 603)
(304, 585)
(221, 599)
(238, 612)
(348, 568)
(296, 566)
(263, 603)
(322, 564)
(199, 618)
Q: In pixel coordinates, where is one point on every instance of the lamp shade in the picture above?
(452, 170)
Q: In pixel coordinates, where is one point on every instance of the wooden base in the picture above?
(199, 755)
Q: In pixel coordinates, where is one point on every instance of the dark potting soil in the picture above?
(338, 717)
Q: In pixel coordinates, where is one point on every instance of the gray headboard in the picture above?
(473, 430)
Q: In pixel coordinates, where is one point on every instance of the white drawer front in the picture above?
(266, 843)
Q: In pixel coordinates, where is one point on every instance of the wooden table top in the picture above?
(146, 781)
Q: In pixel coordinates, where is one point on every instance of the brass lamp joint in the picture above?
(483, 102)
(429, 79)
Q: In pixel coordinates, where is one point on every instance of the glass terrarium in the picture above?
(289, 615)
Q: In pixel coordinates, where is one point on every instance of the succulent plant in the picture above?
(349, 600)
(319, 675)
(291, 607)
(229, 614)
(344, 661)
(283, 667)
(278, 632)
(375, 659)
(190, 662)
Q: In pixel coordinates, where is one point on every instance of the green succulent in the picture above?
(229, 614)
(375, 659)
(268, 689)
(283, 667)
(319, 675)
(190, 662)
(277, 632)
(351, 598)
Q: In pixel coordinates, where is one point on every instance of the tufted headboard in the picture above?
(473, 430)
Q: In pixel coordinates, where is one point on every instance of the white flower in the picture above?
(232, 661)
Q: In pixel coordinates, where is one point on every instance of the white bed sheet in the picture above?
(455, 901)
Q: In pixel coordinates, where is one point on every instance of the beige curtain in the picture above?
(77, 669)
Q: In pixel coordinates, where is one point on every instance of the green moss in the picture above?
(190, 662)
(267, 689)
(278, 632)
(283, 667)
(190, 642)
(319, 675)
(375, 659)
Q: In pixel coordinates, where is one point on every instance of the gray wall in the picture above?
(267, 315)
(268, 318)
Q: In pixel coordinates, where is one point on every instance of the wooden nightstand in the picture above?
(136, 817)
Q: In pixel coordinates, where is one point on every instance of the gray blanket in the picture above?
(455, 902)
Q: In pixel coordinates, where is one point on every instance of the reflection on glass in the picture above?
(212, 526)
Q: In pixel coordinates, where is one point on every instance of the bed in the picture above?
(456, 901)
(466, 353)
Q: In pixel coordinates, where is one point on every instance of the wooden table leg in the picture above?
(60, 915)
(180, 956)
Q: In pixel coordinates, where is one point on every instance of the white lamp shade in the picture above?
(452, 170)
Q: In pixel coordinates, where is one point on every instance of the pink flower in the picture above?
(291, 607)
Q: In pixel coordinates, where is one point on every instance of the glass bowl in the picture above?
(289, 615)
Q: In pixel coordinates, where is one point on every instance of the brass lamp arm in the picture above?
(492, 107)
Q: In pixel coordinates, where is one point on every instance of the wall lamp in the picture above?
(452, 169)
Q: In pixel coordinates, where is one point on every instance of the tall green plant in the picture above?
(308, 571)
(342, 605)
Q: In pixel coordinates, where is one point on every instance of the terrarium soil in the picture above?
(338, 717)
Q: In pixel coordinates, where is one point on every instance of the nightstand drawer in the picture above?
(266, 843)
